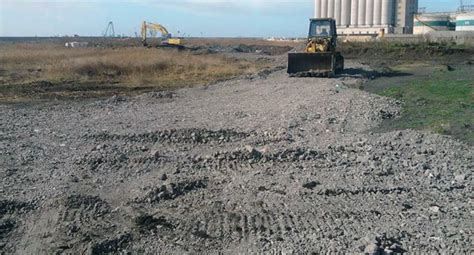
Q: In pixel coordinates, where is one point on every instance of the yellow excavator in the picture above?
(167, 38)
(320, 57)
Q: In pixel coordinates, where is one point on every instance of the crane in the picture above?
(109, 31)
(153, 28)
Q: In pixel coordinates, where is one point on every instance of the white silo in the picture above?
(369, 13)
(331, 8)
(361, 16)
(385, 12)
(338, 11)
(465, 22)
(377, 12)
(317, 9)
(324, 8)
(354, 13)
(345, 12)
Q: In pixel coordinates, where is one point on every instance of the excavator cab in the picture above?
(320, 57)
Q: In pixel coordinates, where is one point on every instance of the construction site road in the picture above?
(265, 163)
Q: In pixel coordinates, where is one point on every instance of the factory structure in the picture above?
(369, 17)
(462, 21)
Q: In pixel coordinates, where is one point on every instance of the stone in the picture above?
(460, 177)
(311, 185)
(372, 249)
(155, 153)
(254, 152)
(164, 177)
(434, 209)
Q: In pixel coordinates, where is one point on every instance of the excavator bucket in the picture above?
(311, 64)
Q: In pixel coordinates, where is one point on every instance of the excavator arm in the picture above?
(147, 26)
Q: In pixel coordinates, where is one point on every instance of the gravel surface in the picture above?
(264, 163)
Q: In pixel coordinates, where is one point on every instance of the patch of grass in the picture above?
(24, 66)
(443, 104)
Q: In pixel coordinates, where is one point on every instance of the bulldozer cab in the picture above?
(322, 28)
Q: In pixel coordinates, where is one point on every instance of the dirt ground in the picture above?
(260, 164)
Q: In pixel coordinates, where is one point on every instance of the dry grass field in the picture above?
(24, 65)
(237, 41)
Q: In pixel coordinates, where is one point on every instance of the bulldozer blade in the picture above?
(315, 63)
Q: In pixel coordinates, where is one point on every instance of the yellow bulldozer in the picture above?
(320, 57)
(167, 39)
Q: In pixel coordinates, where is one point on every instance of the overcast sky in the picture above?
(246, 18)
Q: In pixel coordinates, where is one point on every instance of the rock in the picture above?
(460, 177)
(406, 206)
(74, 178)
(386, 114)
(332, 120)
(434, 209)
(116, 99)
(249, 148)
(311, 185)
(397, 248)
(155, 153)
(371, 249)
(254, 152)
(164, 177)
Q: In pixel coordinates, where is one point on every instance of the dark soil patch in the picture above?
(112, 246)
(377, 54)
(12, 207)
(146, 223)
(6, 226)
(173, 191)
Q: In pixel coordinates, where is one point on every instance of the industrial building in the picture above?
(465, 22)
(369, 17)
(455, 21)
